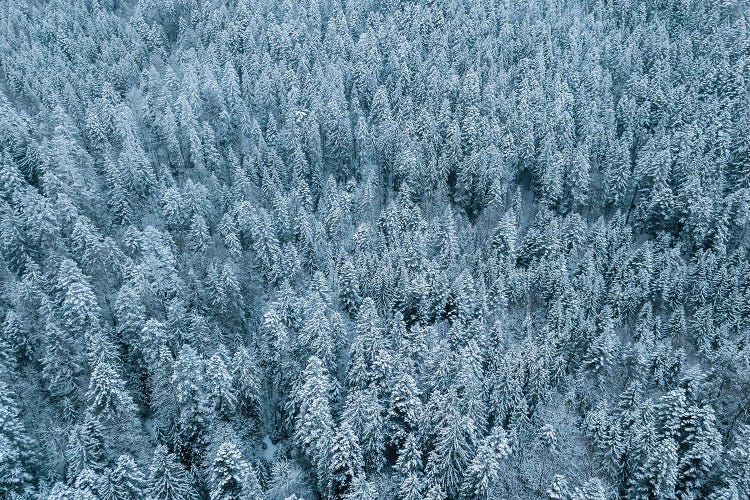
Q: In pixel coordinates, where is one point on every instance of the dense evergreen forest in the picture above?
(374, 249)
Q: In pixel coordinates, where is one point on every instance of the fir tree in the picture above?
(16, 448)
(314, 424)
(346, 460)
(232, 477)
(167, 478)
(485, 468)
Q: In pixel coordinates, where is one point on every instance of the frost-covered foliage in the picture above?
(374, 249)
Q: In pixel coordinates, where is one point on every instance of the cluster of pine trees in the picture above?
(374, 249)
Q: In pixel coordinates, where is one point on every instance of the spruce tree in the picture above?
(16, 448)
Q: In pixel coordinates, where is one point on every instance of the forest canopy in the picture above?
(374, 249)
